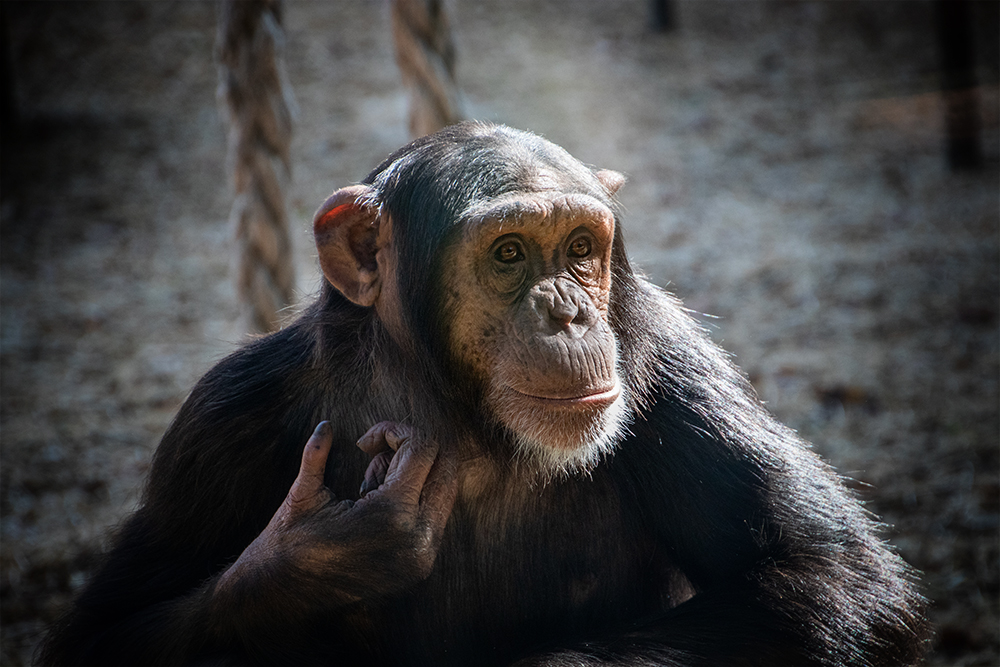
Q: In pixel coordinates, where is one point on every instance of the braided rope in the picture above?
(257, 103)
(425, 53)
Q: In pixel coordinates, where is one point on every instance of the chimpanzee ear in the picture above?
(611, 180)
(346, 231)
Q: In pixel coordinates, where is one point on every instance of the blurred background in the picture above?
(789, 178)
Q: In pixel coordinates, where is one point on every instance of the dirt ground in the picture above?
(786, 178)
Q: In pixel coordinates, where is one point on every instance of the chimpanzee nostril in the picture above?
(563, 312)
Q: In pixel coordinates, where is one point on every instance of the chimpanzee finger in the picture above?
(306, 490)
(375, 474)
(398, 434)
(374, 441)
(409, 468)
(440, 489)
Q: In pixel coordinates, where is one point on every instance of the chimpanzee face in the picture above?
(527, 290)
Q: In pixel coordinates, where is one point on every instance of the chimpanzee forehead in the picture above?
(537, 209)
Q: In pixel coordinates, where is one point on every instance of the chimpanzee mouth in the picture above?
(598, 399)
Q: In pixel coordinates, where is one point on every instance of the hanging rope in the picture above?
(258, 105)
(425, 53)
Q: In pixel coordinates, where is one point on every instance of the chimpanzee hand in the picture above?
(339, 552)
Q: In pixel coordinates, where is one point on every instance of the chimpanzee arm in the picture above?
(204, 501)
(786, 565)
(314, 556)
(317, 555)
(166, 593)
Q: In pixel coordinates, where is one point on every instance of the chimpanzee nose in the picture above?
(565, 305)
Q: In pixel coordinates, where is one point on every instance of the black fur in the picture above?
(707, 494)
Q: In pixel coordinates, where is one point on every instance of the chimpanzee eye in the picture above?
(579, 248)
(509, 252)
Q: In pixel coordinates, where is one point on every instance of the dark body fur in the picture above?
(705, 495)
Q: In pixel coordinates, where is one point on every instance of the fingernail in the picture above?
(323, 429)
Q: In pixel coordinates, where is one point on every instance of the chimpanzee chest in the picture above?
(519, 569)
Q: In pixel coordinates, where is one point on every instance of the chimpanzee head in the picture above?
(491, 250)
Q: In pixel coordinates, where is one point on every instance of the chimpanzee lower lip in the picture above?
(605, 397)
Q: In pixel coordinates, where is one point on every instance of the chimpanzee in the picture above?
(525, 454)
